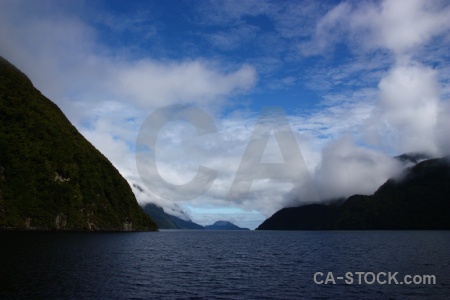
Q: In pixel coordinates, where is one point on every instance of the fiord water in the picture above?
(219, 264)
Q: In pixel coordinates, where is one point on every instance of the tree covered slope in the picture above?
(420, 200)
(51, 177)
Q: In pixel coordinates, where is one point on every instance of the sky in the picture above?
(353, 83)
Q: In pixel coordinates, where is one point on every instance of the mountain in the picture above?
(413, 158)
(224, 225)
(420, 200)
(167, 221)
(51, 177)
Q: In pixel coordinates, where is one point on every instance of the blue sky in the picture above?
(360, 81)
(187, 30)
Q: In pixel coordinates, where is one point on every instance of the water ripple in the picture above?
(218, 265)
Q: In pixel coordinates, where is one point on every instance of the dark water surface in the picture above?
(219, 264)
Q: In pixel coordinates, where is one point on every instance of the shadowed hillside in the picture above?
(420, 200)
(51, 177)
(167, 221)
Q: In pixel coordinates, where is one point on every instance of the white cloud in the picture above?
(407, 115)
(346, 170)
(386, 93)
(409, 103)
(399, 26)
(329, 30)
(154, 84)
(107, 97)
(443, 129)
(182, 151)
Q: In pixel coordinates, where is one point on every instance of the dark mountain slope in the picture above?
(308, 217)
(167, 221)
(420, 200)
(51, 177)
(224, 225)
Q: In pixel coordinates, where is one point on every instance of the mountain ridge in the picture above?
(419, 200)
(51, 177)
(224, 225)
(168, 221)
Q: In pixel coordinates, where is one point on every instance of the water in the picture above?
(219, 264)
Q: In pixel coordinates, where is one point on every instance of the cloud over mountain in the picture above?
(360, 82)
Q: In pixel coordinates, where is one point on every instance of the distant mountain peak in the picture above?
(168, 221)
(224, 225)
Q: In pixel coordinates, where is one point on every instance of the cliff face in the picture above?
(420, 200)
(51, 177)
